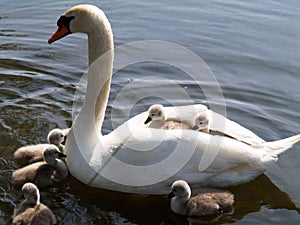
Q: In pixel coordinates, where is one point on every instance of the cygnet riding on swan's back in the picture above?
(112, 161)
(206, 202)
(43, 174)
(157, 119)
(34, 153)
(31, 211)
(202, 122)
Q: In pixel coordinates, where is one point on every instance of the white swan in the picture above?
(133, 158)
(206, 202)
(34, 153)
(31, 211)
(157, 119)
(43, 174)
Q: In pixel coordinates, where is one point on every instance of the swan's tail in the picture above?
(276, 148)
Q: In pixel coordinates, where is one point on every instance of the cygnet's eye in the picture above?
(152, 114)
(201, 123)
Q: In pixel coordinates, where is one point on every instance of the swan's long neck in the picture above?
(100, 50)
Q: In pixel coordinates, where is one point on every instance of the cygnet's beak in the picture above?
(62, 155)
(170, 195)
(148, 120)
(195, 127)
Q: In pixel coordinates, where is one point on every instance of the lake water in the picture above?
(251, 47)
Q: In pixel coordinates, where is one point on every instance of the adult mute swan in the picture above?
(136, 159)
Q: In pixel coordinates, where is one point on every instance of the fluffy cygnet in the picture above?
(202, 122)
(45, 173)
(208, 202)
(31, 211)
(157, 119)
(34, 153)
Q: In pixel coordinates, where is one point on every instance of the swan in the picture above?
(206, 202)
(135, 159)
(43, 174)
(157, 119)
(31, 211)
(34, 153)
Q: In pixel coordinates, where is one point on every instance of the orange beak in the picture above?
(59, 33)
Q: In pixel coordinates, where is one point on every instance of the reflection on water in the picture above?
(250, 46)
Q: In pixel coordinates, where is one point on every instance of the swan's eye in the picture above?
(64, 20)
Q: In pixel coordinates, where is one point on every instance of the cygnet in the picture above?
(157, 119)
(31, 211)
(206, 202)
(43, 174)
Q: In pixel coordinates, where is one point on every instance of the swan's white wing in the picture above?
(148, 156)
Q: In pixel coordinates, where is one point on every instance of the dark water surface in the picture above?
(251, 47)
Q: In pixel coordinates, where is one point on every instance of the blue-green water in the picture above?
(251, 47)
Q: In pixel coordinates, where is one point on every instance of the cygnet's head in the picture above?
(201, 121)
(51, 153)
(56, 137)
(31, 192)
(180, 189)
(155, 112)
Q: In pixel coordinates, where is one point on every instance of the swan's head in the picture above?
(31, 192)
(155, 113)
(180, 189)
(80, 19)
(201, 121)
(56, 137)
(51, 153)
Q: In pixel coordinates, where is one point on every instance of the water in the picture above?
(251, 47)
